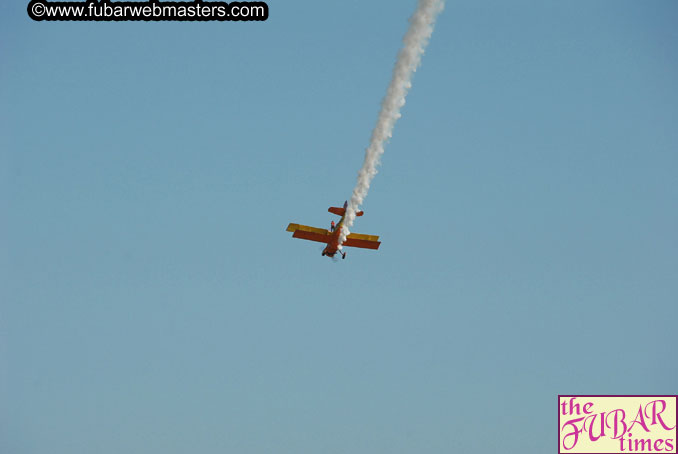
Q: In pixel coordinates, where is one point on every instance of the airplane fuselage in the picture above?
(333, 245)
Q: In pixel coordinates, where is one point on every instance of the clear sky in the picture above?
(152, 302)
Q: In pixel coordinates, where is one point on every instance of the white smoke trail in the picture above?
(409, 57)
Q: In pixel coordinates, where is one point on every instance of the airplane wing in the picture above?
(362, 241)
(305, 232)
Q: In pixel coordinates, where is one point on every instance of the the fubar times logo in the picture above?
(617, 424)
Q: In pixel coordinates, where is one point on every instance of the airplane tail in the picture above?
(342, 211)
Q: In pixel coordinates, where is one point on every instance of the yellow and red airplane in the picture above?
(331, 237)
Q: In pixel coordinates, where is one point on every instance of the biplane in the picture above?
(331, 237)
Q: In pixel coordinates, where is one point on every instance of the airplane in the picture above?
(331, 237)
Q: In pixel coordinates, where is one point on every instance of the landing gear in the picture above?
(323, 254)
(343, 255)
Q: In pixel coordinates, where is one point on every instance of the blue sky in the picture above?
(151, 300)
